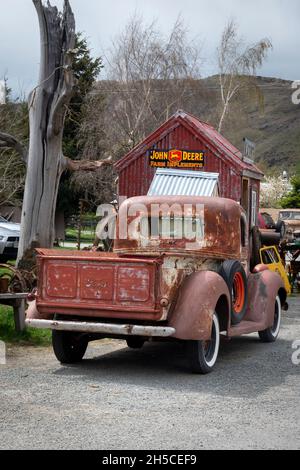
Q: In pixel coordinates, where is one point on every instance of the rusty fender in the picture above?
(263, 288)
(196, 304)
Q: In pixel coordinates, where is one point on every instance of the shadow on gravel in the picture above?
(245, 368)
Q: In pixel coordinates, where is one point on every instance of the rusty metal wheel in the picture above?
(235, 277)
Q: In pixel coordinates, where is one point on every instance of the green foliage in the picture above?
(29, 336)
(86, 70)
(292, 200)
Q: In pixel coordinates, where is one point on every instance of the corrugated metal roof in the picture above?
(169, 182)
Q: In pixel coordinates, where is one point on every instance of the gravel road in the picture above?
(123, 399)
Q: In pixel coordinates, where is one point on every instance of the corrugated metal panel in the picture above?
(184, 183)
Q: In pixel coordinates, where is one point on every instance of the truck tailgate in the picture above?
(97, 285)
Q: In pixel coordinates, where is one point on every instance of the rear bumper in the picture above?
(103, 328)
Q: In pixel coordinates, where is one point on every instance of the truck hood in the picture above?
(293, 224)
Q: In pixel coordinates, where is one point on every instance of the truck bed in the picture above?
(100, 285)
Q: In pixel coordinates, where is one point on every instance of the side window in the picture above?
(243, 231)
(253, 208)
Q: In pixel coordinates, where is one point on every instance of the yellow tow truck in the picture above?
(270, 257)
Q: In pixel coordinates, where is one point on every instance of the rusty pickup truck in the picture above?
(181, 269)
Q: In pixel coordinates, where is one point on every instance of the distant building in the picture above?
(183, 143)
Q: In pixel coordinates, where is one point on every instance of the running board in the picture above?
(105, 328)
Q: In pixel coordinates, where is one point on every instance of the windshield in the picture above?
(290, 215)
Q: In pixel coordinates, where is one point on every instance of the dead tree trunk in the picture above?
(47, 107)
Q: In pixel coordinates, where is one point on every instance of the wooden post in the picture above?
(79, 225)
(18, 303)
(19, 315)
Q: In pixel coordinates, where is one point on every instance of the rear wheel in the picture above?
(203, 354)
(135, 342)
(271, 334)
(69, 347)
(235, 277)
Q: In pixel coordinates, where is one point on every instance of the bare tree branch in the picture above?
(237, 66)
(8, 141)
(150, 76)
(86, 165)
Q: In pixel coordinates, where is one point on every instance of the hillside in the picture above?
(275, 128)
(272, 123)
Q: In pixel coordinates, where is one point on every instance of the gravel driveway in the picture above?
(123, 399)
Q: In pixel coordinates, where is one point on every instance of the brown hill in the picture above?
(274, 127)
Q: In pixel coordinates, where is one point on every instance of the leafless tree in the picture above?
(13, 120)
(238, 65)
(149, 76)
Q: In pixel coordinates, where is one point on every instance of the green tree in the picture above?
(292, 200)
(86, 70)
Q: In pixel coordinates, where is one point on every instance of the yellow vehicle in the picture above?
(270, 257)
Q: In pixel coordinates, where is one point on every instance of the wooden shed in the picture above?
(184, 142)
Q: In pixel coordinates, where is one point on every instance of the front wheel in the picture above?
(203, 354)
(271, 334)
(68, 347)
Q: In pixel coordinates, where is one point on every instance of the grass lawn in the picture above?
(85, 236)
(30, 336)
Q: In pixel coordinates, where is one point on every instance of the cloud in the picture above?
(101, 21)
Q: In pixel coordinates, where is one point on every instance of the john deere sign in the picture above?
(176, 158)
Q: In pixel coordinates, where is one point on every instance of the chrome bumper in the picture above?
(105, 328)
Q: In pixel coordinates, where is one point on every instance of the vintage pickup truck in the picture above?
(181, 269)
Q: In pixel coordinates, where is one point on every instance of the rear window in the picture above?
(173, 227)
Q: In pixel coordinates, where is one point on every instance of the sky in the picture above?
(102, 20)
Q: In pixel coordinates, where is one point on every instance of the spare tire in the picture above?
(281, 229)
(269, 238)
(234, 275)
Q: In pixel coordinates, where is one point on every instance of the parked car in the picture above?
(288, 224)
(159, 284)
(265, 221)
(267, 229)
(9, 239)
